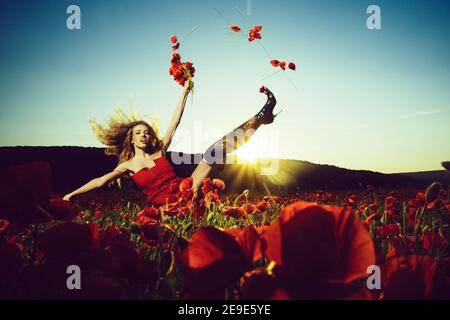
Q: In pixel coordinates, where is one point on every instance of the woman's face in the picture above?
(140, 136)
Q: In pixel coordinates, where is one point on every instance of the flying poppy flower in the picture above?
(275, 63)
(235, 28)
(291, 66)
(282, 65)
(254, 33)
(175, 47)
(173, 39)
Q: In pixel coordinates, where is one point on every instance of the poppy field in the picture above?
(207, 244)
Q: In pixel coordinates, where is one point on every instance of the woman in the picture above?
(142, 154)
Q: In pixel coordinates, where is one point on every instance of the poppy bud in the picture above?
(432, 191)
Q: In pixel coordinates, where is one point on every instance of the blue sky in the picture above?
(362, 99)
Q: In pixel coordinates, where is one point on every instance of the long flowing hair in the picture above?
(117, 134)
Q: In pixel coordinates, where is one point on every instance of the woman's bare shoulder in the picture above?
(123, 167)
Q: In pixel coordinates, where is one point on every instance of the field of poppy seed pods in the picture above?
(307, 245)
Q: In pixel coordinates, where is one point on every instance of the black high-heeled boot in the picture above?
(265, 115)
(216, 154)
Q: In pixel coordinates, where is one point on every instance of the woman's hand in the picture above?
(67, 197)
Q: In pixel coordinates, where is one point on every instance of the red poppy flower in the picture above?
(282, 65)
(235, 212)
(262, 206)
(207, 185)
(235, 28)
(249, 240)
(186, 184)
(352, 199)
(68, 240)
(373, 207)
(210, 253)
(211, 197)
(249, 208)
(409, 278)
(3, 226)
(389, 230)
(218, 184)
(11, 262)
(275, 63)
(433, 239)
(175, 47)
(313, 244)
(119, 260)
(112, 235)
(291, 66)
(254, 33)
(173, 39)
(25, 191)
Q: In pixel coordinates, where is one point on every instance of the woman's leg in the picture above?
(217, 152)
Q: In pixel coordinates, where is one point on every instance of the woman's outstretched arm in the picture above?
(167, 139)
(98, 182)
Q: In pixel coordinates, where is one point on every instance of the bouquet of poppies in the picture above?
(181, 71)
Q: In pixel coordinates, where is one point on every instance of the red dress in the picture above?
(159, 183)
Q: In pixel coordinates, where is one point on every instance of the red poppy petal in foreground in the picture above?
(25, 191)
(62, 210)
(67, 240)
(212, 260)
(411, 277)
(317, 242)
(249, 240)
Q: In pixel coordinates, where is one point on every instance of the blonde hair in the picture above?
(117, 134)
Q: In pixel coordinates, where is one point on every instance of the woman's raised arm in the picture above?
(167, 139)
(98, 182)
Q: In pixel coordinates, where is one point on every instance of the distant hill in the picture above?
(74, 166)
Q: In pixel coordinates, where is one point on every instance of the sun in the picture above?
(252, 151)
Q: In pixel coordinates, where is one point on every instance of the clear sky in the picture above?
(360, 98)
